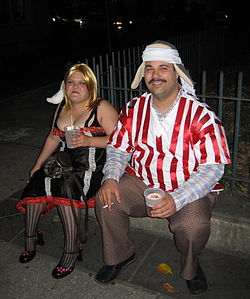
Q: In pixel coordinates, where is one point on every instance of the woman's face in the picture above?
(76, 88)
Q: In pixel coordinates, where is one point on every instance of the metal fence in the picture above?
(115, 73)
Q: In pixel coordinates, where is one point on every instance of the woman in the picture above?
(96, 118)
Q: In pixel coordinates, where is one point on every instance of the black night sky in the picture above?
(156, 20)
(76, 29)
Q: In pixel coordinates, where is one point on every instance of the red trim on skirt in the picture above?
(51, 202)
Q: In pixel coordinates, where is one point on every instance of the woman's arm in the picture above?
(107, 116)
(50, 145)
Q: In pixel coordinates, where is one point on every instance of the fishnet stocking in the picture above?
(71, 248)
(33, 213)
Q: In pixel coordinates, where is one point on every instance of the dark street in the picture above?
(36, 51)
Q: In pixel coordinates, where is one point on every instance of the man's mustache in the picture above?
(157, 79)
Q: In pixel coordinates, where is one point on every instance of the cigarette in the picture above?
(104, 207)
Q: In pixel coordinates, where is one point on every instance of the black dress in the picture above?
(87, 164)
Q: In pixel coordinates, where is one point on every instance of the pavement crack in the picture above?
(143, 259)
(11, 215)
(10, 242)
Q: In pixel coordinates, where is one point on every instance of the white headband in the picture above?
(167, 55)
(161, 54)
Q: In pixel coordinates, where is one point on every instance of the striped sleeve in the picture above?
(198, 185)
(116, 163)
(209, 139)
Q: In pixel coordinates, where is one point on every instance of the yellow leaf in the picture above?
(168, 286)
(164, 268)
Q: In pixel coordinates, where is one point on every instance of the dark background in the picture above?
(40, 38)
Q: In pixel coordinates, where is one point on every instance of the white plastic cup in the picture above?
(152, 197)
(70, 132)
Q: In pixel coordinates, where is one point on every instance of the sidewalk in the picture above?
(25, 121)
(228, 276)
(23, 282)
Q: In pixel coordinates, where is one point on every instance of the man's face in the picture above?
(161, 78)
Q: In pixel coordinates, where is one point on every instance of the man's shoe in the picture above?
(198, 284)
(109, 272)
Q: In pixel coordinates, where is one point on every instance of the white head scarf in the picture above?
(163, 51)
(58, 97)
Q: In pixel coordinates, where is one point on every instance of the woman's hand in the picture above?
(33, 170)
(81, 140)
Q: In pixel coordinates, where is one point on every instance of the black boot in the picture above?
(198, 284)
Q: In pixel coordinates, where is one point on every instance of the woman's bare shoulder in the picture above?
(107, 112)
(105, 105)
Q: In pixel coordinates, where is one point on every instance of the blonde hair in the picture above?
(90, 81)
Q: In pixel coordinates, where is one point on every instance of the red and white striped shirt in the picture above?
(166, 153)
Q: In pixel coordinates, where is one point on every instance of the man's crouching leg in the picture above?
(191, 229)
(118, 248)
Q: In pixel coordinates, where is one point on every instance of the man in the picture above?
(170, 140)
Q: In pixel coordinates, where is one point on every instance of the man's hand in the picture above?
(165, 208)
(108, 190)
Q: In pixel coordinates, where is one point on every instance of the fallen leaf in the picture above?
(164, 268)
(168, 287)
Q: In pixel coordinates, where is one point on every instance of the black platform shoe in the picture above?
(40, 240)
(60, 272)
(26, 256)
(198, 284)
(109, 272)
